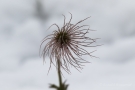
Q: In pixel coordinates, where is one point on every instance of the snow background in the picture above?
(23, 25)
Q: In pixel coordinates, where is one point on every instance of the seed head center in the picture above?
(62, 38)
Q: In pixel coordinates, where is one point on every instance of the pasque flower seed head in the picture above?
(65, 44)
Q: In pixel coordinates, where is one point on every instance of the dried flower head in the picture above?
(65, 45)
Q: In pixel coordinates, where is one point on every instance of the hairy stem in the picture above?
(59, 73)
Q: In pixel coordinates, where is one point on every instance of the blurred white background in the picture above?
(23, 25)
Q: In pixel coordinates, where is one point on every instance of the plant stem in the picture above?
(59, 74)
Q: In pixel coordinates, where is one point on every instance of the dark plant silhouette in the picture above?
(64, 48)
